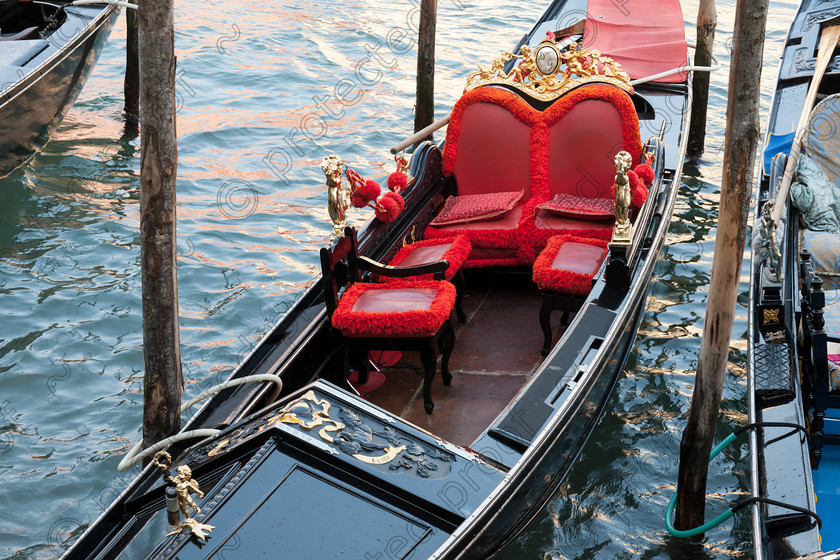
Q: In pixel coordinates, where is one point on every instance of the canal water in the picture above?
(258, 89)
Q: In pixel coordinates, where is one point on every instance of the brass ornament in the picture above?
(185, 485)
(402, 165)
(351, 434)
(622, 230)
(547, 72)
(338, 194)
(770, 316)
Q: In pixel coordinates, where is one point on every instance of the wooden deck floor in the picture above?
(496, 351)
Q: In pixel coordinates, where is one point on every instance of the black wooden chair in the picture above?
(409, 315)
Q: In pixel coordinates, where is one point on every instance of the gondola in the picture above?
(48, 51)
(793, 392)
(353, 442)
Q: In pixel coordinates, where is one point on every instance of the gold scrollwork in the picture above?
(310, 412)
(547, 72)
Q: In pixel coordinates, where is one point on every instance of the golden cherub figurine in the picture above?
(185, 484)
(338, 195)
(623, 161)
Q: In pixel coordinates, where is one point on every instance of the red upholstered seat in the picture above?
(564, 271)
(405, 309)
(453, 250)
(568, 264)
(497, 142)
(578, 226)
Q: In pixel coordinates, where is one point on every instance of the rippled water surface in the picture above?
(257, 86)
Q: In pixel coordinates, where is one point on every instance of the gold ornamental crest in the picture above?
(547, 72)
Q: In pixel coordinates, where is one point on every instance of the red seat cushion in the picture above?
(398, 309)
(568, 264)
(453, 250)
(580, 207)
(469, 208)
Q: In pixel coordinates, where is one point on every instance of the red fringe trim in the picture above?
(455, 255)
(420, 322)
(563, 281)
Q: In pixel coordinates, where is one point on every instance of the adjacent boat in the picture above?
(794, 394)
(47, 51)
(306, 467)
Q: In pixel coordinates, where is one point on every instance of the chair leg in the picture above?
(460, 283)
(427, 355)
(448, 340)
(564, 318)
(545, 322)
(359, 360)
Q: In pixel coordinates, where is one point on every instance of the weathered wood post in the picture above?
(424, 112)
(131, 84)
(706, 24)
(158, 163)
(741, 140)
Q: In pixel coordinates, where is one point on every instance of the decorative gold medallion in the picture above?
(548, 72)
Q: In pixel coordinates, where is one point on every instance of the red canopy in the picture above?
(645, 36)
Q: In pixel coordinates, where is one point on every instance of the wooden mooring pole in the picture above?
(158, 164)
(706, 24)
(741, 141)
(131, 84)
(424, 113)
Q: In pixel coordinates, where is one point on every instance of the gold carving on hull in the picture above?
(548, 72)
(309, 412)
(353, 436)
(771, 316)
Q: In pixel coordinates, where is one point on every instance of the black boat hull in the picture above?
(520, 459)
(33, 107)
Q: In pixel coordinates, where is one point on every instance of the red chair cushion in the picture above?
(453, 250)
(470, 208)
(580, 207)
(568, 264)
(398, 309)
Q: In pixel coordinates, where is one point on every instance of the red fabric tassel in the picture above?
(388, 207)
(645, 173)
(397, 181)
